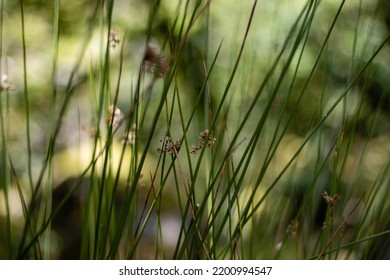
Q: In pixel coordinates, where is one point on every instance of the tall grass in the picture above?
(184, 145)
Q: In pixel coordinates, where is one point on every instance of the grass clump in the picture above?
(197, 134)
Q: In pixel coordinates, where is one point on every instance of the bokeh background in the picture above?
(361, 28)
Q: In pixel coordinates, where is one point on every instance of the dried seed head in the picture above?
(205, 139)
(154, 62)
(113, 38)
(152, 54)
(169, 146)
(115, 116)
(331, 200)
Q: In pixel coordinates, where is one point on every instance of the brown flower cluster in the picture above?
(154, 62)
(205, 139)
(331, 200)
(169, 146)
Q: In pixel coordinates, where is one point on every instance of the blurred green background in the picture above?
(225, 23)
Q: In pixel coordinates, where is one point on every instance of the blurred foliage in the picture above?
(367, 22)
